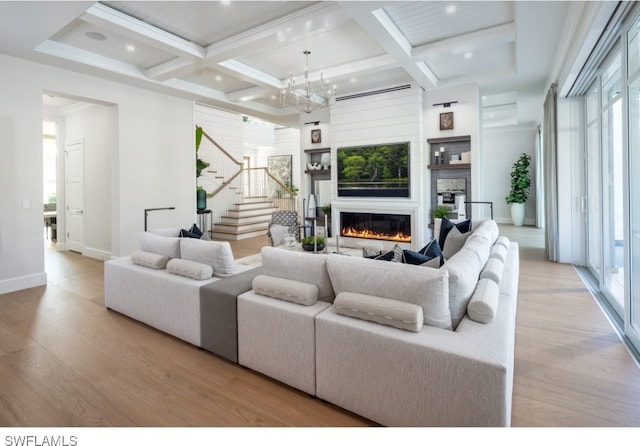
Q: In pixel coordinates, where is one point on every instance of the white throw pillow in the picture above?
(163, 245)
(216, 254)
(149, 259)
(277, 234)
(455, 242)
(394, 313)
(484, 302)
(187, 268)
(290, 290)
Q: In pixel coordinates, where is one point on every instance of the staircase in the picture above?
(249, 218)
(242, 199)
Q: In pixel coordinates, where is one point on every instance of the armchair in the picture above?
(281, 223)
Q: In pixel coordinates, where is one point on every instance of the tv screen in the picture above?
(374, 171)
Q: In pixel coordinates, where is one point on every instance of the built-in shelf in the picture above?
(318, 172)
(449, 166)
(321, 150)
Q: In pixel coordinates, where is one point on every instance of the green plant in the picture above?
(326, 209)
(440, 212)
(520, 180)
(309, 240)
(200, 164)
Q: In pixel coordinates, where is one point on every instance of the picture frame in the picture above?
(446, 121)
(280, 167)
(316, 136)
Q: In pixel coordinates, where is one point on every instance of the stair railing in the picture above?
(263, 184)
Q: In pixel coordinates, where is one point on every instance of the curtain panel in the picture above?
(550, 149)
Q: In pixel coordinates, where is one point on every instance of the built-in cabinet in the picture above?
(318, 171)
(450, 165)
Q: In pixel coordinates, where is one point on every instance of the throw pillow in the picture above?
(447, 225)
(398, 254)
(370, 252)
(277, 233)
(455, 242)
(415, 258)
(388, 256)
(188, 233)
(436, 263)
(432, 250)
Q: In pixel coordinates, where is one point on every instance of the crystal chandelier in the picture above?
(307, 98)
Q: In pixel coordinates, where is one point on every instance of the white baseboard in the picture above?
(22, 283)
(508, 221)
(97, 254)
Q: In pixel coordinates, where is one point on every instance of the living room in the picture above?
(150, 151)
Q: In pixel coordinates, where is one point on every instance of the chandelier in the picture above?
(307, 98)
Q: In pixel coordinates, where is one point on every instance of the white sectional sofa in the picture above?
(399, 344)
(182, 286)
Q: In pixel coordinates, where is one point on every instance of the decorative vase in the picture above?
(311, 206)
(325, 161)
(517, 214)
(201, 199)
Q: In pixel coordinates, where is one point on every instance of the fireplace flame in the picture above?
(366, 233)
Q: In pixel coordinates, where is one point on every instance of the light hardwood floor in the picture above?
(67, 361)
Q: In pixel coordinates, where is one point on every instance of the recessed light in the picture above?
(95, 35)
(468, 55)
(353, 80)
(218, 77)
(131, 48)
(451, 9)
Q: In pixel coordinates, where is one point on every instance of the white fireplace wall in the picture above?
(381, 118)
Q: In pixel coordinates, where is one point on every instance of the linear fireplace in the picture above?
(392, 227)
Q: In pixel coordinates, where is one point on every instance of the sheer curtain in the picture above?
(550, 173)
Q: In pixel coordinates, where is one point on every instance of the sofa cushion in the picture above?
(484, 302)
(164, 245)
(188, 268)
(302, 266)
(493, 270)
(498, 251)
(216, 254)
(149, 259)
(290, 290)
(464, 271)
(503, 240)
(480, 245)
(414, 284)
(456, 241)
(436, 263)
(445, 227)
(166, 232)
(390, 312)
(388, 256)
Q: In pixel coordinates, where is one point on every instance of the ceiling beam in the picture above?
(381, 28)
(486, 38)
(108, 18)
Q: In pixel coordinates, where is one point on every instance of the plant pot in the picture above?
(319, 247)
(517, 214)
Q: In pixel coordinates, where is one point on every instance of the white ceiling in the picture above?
(240, 54)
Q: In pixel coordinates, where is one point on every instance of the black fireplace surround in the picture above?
(393, 227)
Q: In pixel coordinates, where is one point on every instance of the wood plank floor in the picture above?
(67, 361)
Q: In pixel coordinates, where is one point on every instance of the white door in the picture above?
(74, 195)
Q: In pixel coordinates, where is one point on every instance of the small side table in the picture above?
(202, 220)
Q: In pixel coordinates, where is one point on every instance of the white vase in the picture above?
(517, 214)
(311, 207)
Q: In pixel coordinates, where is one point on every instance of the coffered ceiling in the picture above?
(240, 54)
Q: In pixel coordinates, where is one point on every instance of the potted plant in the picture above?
(520, 186)
(440, 212)
(312, 243)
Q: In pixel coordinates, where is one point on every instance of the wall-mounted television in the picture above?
(380, 170)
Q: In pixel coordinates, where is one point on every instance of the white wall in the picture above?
(95, 125)
(501, 148)
(153, 165)
(384, 118)
(465, 122)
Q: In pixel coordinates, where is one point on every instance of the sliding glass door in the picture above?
(613, 192)
(632, 327)
(594, 174)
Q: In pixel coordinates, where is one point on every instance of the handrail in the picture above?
(276, 180)
(221, 149)
(224, 184)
